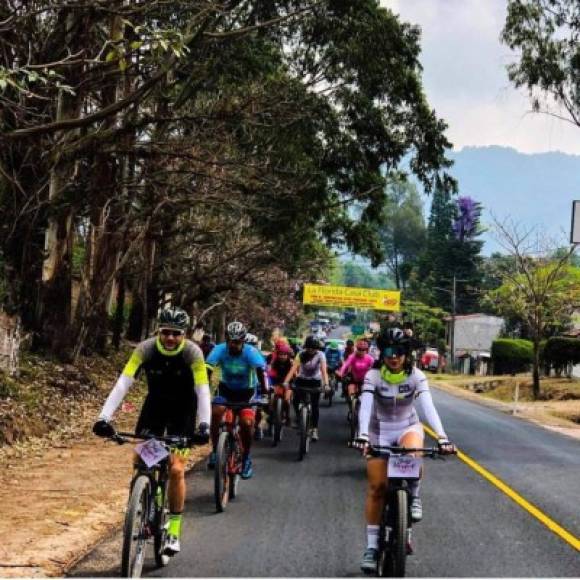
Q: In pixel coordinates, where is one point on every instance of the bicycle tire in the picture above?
(394, 562)
(221, 472)
(136, 517)
(330, 395)
(277, 420)
(353, 419)
(160, 530)
(303, 431)
(234, 475)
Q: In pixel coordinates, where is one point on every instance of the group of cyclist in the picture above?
(178, 375)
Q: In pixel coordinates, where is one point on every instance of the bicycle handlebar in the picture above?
(378, 450)
(232, 405)
(171, 440)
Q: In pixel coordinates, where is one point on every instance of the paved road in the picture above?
(306, 519)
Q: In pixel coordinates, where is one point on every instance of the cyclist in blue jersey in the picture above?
(333, 357)
(242, 369)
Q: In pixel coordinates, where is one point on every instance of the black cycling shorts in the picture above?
(235, 395)
(167, 417)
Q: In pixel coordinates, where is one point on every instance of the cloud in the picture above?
(466, 81)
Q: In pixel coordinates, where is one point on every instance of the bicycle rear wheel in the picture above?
(304, 425)
(136, 528)
(221, 473)
(393, 559)
(160, 531)
(277, 420)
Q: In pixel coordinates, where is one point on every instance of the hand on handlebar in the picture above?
(362, 444)
(446, 447)
(102, 428)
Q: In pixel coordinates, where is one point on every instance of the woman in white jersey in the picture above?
(388, 417)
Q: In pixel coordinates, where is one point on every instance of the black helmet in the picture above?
(311, 342)
(236, 331)
(393, 337)
(173, 318)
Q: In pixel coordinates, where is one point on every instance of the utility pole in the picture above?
(453, 313)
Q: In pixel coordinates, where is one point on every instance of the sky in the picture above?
(466, 81)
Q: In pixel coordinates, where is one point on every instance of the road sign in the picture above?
(575, 235)
(348, 296)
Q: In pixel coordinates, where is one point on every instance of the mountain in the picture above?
(532, 189)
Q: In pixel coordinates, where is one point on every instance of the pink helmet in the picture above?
(282, 347)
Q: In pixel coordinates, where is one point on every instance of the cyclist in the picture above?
(388, 417)
(177, 391)
(242, 368)
(253, 340)
(206, 345)
(357, 365)
(333, 356)
(309, 368)
(279, 366)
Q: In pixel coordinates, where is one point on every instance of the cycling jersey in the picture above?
(388, 407)
(310, 366)
(278, 370)
(177, 387)
(238, 372)
(333, 358)
(357, 366)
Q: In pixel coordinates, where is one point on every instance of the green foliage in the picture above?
(561, 351)
(354, 274)
(428, 322)
(545, 36)
(511, 355)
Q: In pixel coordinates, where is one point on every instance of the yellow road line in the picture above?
(515, 496)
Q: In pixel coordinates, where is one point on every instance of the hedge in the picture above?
(560, 351)
(511, 355)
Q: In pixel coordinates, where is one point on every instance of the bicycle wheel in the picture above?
(304, 425)
(353, 418)
(221, 473)
(330, 394)
(136, 529)
(161, 524)
(234, 468)
(395, 556)
(277, 420)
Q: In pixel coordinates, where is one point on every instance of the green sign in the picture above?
(357, 328)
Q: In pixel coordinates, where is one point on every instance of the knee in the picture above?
(376, 490)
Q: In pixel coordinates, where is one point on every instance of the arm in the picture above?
(122, 386)
(345, 366)
(366, 405)
(324, 371)
(292, 372)
(427, 406)
(201, 381)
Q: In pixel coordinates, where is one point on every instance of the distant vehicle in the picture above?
(430, 359)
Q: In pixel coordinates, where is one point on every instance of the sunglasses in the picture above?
(391, 351)
(167, 332)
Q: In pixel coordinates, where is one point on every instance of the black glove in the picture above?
(202, 435)
(103, 428)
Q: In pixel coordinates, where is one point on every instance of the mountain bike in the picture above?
(353, 402)
(396, 525)
(278, 414)
(146, 518)
(229, 453)
(304, 418)
(329, 394)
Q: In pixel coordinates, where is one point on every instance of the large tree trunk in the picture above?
(9, 343)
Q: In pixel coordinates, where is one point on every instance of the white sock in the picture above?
(373, 537)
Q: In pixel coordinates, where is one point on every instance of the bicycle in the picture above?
(329, 394)
(278, 414)
(146, 518)
(396, 523)
(353, 402)
(229, 453)
(304, 419)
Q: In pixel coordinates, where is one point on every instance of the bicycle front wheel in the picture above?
(394, 561)
(136, 529)
(221, 473)
(304, 436)
(277, 420)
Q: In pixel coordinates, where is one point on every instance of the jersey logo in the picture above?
(404, 388)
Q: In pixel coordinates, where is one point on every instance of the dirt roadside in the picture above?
(59, 500)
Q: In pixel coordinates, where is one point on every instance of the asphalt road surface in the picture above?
(304, 519)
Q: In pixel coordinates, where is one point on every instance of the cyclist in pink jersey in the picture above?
(357, 365)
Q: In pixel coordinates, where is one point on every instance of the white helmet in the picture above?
(236, 331)
(251, 339)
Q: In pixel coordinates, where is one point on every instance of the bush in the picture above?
(511, 355)
(560, 352)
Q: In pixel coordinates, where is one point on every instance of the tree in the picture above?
(403, 233)
(546, 35)
(537, 288)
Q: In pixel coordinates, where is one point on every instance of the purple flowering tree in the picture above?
(466, 222)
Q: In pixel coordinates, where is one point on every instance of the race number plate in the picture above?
(404, 466)
(151, 452)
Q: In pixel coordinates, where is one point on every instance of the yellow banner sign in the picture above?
(347, 296)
